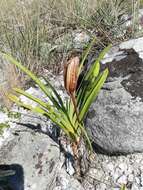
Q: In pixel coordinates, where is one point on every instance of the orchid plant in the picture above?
(69, 115)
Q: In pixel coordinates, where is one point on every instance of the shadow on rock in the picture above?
(53, 132)
(11, 177)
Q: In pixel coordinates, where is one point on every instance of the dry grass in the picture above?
(11, 80)
(22, 31)
(72, 12)
(26, 25)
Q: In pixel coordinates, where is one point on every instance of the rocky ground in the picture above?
(27, 148)
(111, 172)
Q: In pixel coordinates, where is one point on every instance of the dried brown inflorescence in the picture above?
(70, 79)
(71, 75)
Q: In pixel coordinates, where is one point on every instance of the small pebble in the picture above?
(131, 178)
(122, 180)
(101, 186)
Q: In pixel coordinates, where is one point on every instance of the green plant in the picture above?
(69, 115)
(3, 126)
(123, 187)
(109, 16)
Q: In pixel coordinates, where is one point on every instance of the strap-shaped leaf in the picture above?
(37, 100)
(94, 69)
(93, 95)
(59, 104)
(55, 93)
(86, 54)
(29, 73)
(36, 80)
(86, 136)
(57, 120)
(90, 88)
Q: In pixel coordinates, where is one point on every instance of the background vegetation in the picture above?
(27, 26)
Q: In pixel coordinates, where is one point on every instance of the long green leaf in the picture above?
(86, 54)
(35, 78)
(37, 100)
(59, 104)
(29, 73)
(93, 69)
(56, 120)
(93, 94)
(48, 108)
(89, 89)
(56, 93)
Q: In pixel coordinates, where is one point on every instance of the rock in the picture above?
(66, 182)
(123, 166)
(88, 186)
(118, 53)
(115, 176)
(80, 39)
(101, 186)
(135, 45)
(3, 117)
(131, 178)
(115, 120)
(36, 159)
(75, 40)
(122, 180)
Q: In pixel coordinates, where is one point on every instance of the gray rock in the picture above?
(80, 39)
(3, 117)
(122, 180)
(134, 44)
(115, 120)
(36, 159)
(101, 186)
(118, 52)
(131, 178)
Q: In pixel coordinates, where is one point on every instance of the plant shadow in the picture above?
(11, 177)
(53, 133)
